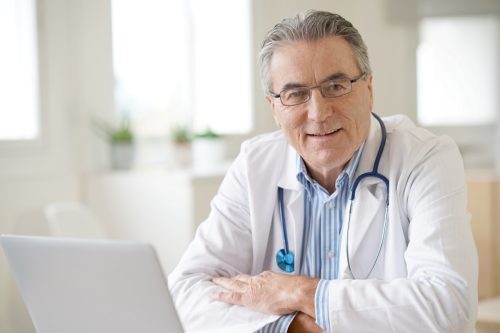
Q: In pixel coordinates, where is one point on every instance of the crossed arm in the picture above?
(273, 293)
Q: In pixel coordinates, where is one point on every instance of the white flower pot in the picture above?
(122, 155)
(208, 152)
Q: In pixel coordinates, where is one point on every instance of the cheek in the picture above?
(292, 126)
(357, 112)
(292, 119)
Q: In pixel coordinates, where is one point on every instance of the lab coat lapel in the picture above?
(295, 211)
(370, 150)
(288, 178)
(294, 205)
(365, 229)
(367, 213)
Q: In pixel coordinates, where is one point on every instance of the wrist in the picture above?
(305, 291)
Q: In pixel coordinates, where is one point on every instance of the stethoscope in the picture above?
(285, 259)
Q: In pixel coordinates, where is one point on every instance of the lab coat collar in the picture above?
(370, 150)
(288, 179)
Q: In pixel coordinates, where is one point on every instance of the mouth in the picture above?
(324, 134)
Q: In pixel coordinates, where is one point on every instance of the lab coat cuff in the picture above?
(322, 305)
(278, 326)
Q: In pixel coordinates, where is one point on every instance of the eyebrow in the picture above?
(334, 76)
(292, 85)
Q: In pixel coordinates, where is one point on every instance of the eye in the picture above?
(295, 94)
(335, 87)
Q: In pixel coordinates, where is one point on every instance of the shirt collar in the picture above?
(305, 179)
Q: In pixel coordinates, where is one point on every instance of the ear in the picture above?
(271, 102)
(369, 79)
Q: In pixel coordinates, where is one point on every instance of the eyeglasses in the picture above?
(329, 89)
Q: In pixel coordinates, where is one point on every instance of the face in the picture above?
(326, 132)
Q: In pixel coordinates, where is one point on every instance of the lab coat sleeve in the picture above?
(439, 293)
(222, 247)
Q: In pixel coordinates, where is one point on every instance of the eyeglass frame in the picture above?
(309, 89)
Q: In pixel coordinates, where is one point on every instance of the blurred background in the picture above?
(122, 116)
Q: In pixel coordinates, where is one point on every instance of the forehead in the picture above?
(310, 62)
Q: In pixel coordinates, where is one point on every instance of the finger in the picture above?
(228, 297)
(230, 284)
(244, 278)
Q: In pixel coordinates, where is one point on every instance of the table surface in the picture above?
(489, 310)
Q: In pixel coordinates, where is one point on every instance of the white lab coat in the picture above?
(425, 279)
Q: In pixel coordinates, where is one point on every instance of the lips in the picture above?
(320, 134)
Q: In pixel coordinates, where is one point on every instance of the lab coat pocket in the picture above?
(366, 230)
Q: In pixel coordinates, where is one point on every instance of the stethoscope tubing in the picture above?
(282, 218)
(375, 174)
(382, 239)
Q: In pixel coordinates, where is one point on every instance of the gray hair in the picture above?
(311, 25)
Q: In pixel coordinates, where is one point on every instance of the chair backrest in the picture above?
(73, 219)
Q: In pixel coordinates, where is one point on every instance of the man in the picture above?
(339, 222)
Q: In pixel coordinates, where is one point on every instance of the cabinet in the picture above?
(157, 206)
(484, 206)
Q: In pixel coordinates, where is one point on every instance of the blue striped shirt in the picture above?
(323, 216)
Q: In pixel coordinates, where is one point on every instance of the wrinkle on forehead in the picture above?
(308, 63)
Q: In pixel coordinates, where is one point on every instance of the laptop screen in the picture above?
(73, 285)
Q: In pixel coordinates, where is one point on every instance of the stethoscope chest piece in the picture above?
(285, 260)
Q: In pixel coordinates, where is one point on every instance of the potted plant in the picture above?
(208, 149)
(181, 138)
(121, 140)
(181, 135)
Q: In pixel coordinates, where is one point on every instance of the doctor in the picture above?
(339, 222)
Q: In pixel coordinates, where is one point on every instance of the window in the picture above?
(222, 59)
(183, 63)
(457, 64)
(19, 95)
(151, 63)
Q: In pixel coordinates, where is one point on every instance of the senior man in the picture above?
(340, 221)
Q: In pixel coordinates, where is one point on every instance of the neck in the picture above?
(326, 177)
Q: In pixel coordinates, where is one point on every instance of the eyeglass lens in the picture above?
(330, 88)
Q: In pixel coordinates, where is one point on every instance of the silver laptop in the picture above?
(98, 286)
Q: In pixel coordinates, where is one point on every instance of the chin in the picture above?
(328, 161)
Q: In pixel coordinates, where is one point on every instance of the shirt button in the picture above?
(330, 204)
(331, 254)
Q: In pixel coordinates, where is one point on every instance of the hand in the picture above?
(302, 323)
(269, 292)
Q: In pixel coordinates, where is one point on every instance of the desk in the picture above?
(484, 205)
(488, 316)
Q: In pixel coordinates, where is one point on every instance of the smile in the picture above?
(324, 134)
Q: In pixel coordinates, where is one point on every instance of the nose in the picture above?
(318, 109)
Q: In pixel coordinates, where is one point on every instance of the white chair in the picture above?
(73, 219)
